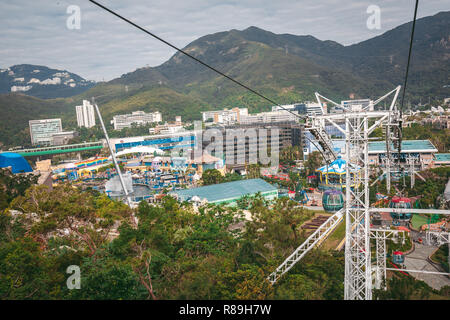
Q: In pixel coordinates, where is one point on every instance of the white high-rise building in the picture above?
(138, 117)
(41, 131)
(85, 115)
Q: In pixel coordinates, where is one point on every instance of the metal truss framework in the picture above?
(411, 210)
(411, 162)
(437, 237)
(380, 236)
(358, 126)
(316, 238)
(358, 271)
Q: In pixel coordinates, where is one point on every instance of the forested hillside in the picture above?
(175, 252)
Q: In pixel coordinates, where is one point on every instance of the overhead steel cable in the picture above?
(192, 57)
(409, 54)
(204, 64)
(399, 147)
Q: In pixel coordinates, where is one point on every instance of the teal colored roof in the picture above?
(226, 191)
(442, 157)
(407, 146)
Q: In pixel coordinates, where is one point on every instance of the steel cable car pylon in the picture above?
(358, 276)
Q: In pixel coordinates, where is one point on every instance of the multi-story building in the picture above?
(225, 116)
(441, 160)
(63, 137)
(438, 122)
(41, 131)
(85, 114)
(239, 148)
(286, 107)
(166, 128)
(137, 117)
(270, 117)
(307, 108)
(422, 151)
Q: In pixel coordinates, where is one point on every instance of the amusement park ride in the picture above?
(360, 121)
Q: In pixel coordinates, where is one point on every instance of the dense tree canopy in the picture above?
(177, 250)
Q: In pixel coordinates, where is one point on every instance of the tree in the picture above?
(401, 287)
(26, 274)
(288, 155)
(212, 176)
(13, 185)
(313, 162)
(82, 218)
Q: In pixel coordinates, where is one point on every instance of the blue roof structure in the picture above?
(407, 146)
(228, 192)
(17, 163)
(338, 166)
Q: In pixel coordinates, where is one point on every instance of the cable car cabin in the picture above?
(398, 257)
(400, 203)
(333, 200)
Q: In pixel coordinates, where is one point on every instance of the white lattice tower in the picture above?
(411, 161)
(357, 245)
(358, 277)
(380, 236)
(380, 275)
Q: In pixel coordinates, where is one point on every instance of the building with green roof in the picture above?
(422, 150)
(441, 159)
(408, 146)
(229, 192)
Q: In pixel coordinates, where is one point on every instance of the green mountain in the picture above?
(286, 68)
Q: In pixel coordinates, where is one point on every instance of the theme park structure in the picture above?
(359, 122)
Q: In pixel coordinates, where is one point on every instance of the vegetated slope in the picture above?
(16, 110)
(264, 59)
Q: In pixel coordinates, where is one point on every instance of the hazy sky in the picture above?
(36, 32)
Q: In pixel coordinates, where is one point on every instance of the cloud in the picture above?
(106, 47)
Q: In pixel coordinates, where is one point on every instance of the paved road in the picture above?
(417, 260)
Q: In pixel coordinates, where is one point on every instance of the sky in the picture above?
(102, 47)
